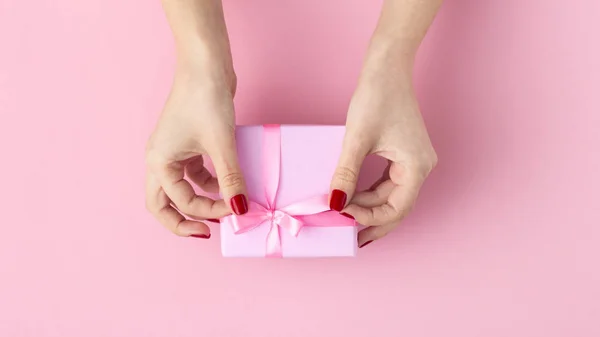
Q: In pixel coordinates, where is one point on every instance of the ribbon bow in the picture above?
(310, 212)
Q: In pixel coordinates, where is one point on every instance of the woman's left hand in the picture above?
(383, 119)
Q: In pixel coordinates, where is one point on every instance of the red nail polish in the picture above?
(214, 220)
(239, 204)
(366, 243)
(347, 215)
(338, 200)
(200, 236)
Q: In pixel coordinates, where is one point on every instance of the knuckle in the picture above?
(378, 194)
(153, 159)
(188, 206)
(429, 160)
(171, 224)
(425, 163)
(152, 206)
(434, 159)
(402, 212)
(176, 229)
(371, 221)
(345, 174)
(234, 179)
(374, 223)
(388, 213)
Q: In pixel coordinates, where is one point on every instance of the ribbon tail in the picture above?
(313, 212)
(274, 242)
(291, 224)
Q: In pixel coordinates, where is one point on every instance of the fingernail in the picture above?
(338, 200)
(201, 236)
(214, 220)
(347, 215)
(366, 243)
(239, 204)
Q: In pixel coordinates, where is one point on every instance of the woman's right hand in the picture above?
(198, 120)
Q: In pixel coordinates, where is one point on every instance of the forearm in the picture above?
(400, 30)
(200, 35)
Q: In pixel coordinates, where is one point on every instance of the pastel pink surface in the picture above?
(308, 159)
(504, 240)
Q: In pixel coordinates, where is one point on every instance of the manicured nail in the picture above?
(338, 200)
(347, 215)
(214, 220)
(366, 243)
(201, 236)
(239, 204)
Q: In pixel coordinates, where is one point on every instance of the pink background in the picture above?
(505, 240)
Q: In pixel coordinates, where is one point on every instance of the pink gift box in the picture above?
(308, 156)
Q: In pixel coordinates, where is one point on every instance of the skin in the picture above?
(199, 119)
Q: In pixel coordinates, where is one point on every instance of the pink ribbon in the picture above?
(311, 212)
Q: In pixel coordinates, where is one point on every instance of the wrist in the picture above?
(388, 61)
(205, 65)
(204, 52)
(202, 42)
(391, 53)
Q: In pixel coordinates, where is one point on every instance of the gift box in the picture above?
(288, 170)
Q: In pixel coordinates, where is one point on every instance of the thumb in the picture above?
(345, 176)
(229, 175)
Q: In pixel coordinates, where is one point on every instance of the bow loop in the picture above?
(258, 215)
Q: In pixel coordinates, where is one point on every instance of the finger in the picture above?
(370, 234)
(159, 205)
(202, 219)
(399, 202)
(172, 180)
(229, 174)
(345, 177)
(200, 176)
(375, 197)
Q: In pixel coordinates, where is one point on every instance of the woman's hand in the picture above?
(383, 119)
(198, 120)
